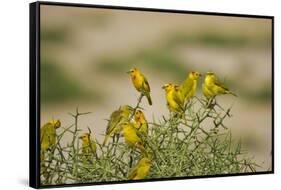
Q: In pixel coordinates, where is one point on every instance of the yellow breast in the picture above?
(173, 106)
(137, 81)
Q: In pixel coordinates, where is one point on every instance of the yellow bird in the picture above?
(141, 84)
(188, 87)
(48, 134)
(213, 87)
(140, 170)
(47, 140)
(89, 146)
(174, 97)
(140, 122)
(132, 137)
(116, 119)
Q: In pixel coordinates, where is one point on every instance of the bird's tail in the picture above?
(143, 150)
(105, 139)
(148, 98)
(232, 93)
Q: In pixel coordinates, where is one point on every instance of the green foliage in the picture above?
(195, 143)
(214, 38)
(57, 86)
(55, 34)
(162, 60)
(95, 19)
(262, 94)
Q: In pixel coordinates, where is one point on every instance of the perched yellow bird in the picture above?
(213, 87)
(140, 122)
(132, 137)
(48, 134)
(47, 140)
(140, 170)
(141, 84)
(174, 97)
(188, 87)
(88, 145)
(116, 119)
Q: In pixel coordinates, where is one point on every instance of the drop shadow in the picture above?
(24, 182)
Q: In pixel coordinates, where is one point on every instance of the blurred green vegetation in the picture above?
(95, 19)
(63, 33)
(57, 86)
(55, 34)
(164, 61)
(215, 38)
(159, 59)
(251, 141)
(261, 94)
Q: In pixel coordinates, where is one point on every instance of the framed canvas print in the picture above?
(121, 94)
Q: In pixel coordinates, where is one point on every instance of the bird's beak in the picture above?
(80, 137)
(200, 75)
(163, 87)
(128, 72)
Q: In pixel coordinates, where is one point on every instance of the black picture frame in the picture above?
(34, 91)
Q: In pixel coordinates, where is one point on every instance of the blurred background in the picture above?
(85, 53)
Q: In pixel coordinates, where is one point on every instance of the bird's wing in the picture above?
(46, 136)
(137, 125)
(188, 83)
(114, 125)
(133, 173)
(93, 146)
(177, 98)
(52, 135)
(146, 84)
(115, 114)
(220, 84)
(138, 133)
(47, 130)
(43, 132)
(114, 119)
(186, 86)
